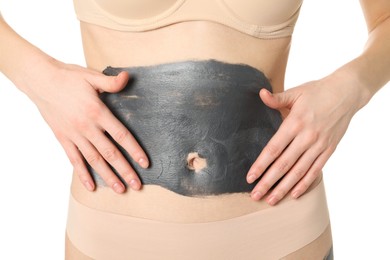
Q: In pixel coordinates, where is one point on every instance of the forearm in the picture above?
(371, 70)
(20, 61)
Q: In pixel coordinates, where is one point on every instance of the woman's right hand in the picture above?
(67, 96)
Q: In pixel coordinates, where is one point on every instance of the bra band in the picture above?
(261, 18)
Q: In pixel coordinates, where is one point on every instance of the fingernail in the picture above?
(118, 187)
(134, 185)
(295, 194)
(143, 163)
(256, 195)
(251, 178)
(88, 185)
(272, 200)
(268, 92)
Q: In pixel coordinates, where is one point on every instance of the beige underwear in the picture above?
(259, 18)
(268, 234)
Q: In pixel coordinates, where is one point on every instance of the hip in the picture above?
(157, 203)
(271, 233)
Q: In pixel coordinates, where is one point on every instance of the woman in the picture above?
(270, 63)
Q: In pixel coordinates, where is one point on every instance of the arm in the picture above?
(67, 97)
(371, 70)
(319, 113)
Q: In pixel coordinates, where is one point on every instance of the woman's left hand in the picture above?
(318, 114)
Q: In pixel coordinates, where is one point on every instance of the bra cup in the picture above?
(263, 12)
(135, 9)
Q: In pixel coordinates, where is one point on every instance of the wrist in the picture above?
(353, 79)
(36, 71)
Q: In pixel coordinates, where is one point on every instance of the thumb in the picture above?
(277, 100)
(112, 84)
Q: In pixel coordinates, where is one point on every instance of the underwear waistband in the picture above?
(270, 233)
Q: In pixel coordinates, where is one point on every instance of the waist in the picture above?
(156, 203)
(271, 234)
(185, 41)
(201, 123)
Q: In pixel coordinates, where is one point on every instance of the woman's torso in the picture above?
(189, 40)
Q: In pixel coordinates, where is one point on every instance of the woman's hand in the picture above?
(68, 98)
(318, 114)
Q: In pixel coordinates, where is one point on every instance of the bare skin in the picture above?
(203, 40)
(348, 89)
(316, 126)
(307, 139)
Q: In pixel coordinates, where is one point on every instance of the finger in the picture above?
(282, 165)
(278, 100)
(112, 84)
(312, 174)
(295, 174)
(272, 150)
(97, 162)
(115, 158)
(124, 138)
(76, 159)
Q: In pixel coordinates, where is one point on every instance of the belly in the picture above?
(201, 123)
(195, 40)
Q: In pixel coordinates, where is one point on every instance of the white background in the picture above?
(35, 173)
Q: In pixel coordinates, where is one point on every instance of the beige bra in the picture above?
(259, 18)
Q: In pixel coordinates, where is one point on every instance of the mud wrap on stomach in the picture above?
(201, 123)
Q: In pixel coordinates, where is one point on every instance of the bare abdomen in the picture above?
(201, 123)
